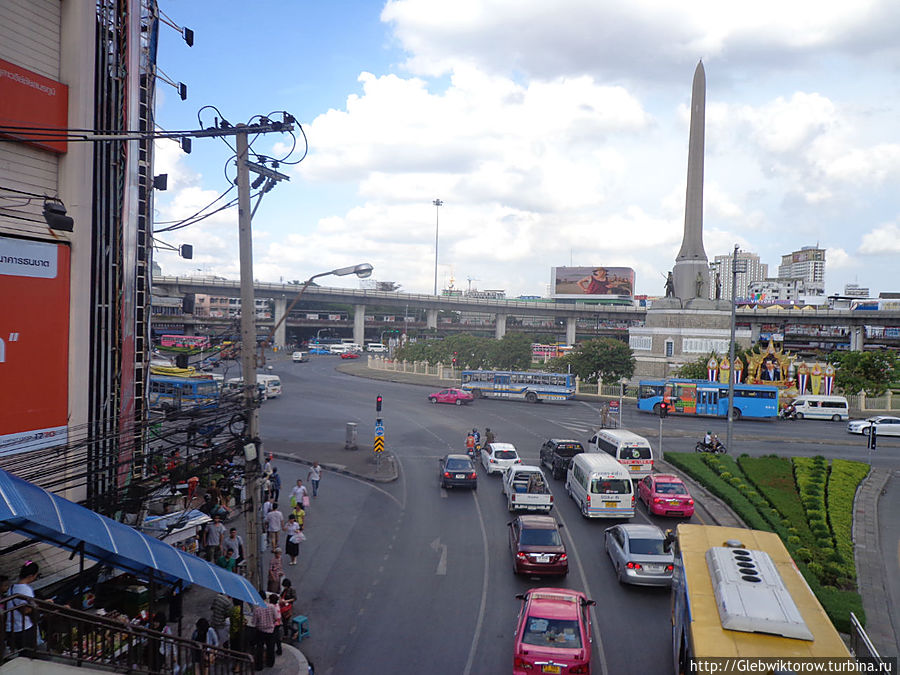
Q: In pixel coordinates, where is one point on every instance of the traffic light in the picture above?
(378, 403)
(454, 358)
(663, 409)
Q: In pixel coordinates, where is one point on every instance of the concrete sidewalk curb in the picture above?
(880, 625)
(343, 470)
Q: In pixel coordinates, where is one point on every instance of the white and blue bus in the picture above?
(708, 399)
(183, 393)
(524, 386)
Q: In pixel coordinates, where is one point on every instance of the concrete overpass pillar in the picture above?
(359, 325)
(857, 338)
(754, 334)
(431, 316)
(571, 322)
(281, 331)
(500, 326)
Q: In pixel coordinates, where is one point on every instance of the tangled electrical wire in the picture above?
(262, 184)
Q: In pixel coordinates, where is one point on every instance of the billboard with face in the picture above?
(586, 283)
(34, 344)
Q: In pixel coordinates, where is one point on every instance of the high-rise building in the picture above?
(721, 274)
(856, 291)
(808, 264)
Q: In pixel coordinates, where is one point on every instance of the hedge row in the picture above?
(843, 480)
(694, 466)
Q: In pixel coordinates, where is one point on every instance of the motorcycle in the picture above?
(714, 448)
(789, 413)
(474, 452)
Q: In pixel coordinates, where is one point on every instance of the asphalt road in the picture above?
(406, 577)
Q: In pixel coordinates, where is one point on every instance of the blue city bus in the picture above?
(513, 385)
(708, 399)
(183, 393)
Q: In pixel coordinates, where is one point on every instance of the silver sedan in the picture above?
(885, 425)
(640, 554)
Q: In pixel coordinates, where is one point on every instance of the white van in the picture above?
(237, 384)
(832, 408)
(600, 486)
(632, 451)
(376, 348)
(272, 384)
(300, 357)
(338, 349)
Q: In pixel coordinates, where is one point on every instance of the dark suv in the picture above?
(557, 454)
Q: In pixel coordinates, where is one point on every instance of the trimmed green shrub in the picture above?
(843, 481)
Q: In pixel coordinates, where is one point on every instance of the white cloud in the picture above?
(883, 240)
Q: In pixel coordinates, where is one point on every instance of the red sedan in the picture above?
(665, 495)
(455, 396)
(349, 355)
(537, 547)
(553, 633)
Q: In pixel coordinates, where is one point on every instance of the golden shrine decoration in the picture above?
(771, 366)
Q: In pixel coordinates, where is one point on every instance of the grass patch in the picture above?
(773, 476)
(843, 480)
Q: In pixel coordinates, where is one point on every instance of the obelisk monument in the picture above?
(691, 271)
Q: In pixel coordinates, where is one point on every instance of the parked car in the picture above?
(666, 495)
(498, 457)
(557, 454)
(553, 632)
(640, 554)
(458, 471)
(536, 546)
(455, 396)
(350, 355)
(885, 425)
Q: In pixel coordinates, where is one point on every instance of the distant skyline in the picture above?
(555, 135)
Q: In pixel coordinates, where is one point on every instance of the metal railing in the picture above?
(82, 639)
(860, 644)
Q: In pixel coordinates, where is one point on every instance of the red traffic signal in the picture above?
(663, 409)
(378, 403)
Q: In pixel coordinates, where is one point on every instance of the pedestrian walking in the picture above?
(20, 621)
(220, 615)
(286, 605)
(273, 604)
(275, 479)
(263, 618)
(274, 524)
(300, 515)
(276, 571)
(161, 650)
(314, 476)
(215, 535)
(205, 634)
(293, 539)
(300, 495)
(235, 544)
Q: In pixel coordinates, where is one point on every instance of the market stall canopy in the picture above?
(33, 512)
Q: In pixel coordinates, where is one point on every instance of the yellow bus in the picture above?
(737, 594)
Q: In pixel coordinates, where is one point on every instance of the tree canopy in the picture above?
(872, 372)
(606, 358)
(512, 352)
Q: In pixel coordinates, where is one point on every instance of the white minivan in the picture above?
(600, 486)
(376, 348)
(632, 451)
(272, 384)
(834, 408)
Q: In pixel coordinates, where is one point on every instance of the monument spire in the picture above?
(691, 271)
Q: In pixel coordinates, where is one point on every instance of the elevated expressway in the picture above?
(570, 314)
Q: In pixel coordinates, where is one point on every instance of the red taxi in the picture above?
(553, 633)
(665, 495)
(349, 355)
(456, 396)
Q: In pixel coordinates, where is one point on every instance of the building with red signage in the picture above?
(75, 242)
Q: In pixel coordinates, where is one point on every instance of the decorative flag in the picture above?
(829, 379)
(816, 379)
(738, 370)
(724, 370)
(802, 377)
(712, 369)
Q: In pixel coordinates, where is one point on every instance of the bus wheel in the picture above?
(531, 397)
(476, 393)
(656, 409)
(736, 414)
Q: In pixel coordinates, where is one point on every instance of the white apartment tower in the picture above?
(808, 264)
(721, 274)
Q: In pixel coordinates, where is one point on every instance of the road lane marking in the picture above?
(436, 546)
(595, 626)
(484, 586)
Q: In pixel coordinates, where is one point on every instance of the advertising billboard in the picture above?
(33, 101)
(34, 345)
(592, 283)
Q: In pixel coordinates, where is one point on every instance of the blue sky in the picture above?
(555, 133)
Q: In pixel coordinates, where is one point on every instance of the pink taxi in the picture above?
(665, 495)
(553, 633)
(455, 396)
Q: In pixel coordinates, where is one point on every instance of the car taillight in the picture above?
(473, 475)
(518, 461)
(512, 498)
(656, 500)
(551, 499)
(690, 502)
(446, 474)
(493, 461)
(521, 664)
(588, 501)
(632, 501)
(669, 568)
(563, 557)
(521, 556)
(633, 566)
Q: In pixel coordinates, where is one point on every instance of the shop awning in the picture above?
(35, 513)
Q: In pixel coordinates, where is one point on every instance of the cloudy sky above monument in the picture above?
(555, 134)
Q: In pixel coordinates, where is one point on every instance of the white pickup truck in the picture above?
(526, 489)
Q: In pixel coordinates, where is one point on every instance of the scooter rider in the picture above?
(477, 436)
(470, 444)
(489, 436)
(707, 440)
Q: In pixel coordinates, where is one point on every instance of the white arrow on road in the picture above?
(436, 546)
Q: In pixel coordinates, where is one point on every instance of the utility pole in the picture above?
(735, 263)
(248, 357)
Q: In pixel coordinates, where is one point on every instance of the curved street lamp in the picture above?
(362, 270)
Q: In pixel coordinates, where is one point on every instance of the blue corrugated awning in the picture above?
(32, 511)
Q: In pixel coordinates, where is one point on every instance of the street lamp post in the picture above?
(437, 209)
(734, 272)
